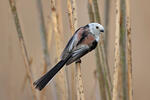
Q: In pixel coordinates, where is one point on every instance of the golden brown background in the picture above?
(12, 68)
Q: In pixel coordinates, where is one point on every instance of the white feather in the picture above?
(96, 31)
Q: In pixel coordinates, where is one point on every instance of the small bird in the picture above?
(84, 40)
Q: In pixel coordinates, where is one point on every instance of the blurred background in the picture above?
(13, 83)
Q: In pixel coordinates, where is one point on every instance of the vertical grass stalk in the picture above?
(44, 42)
(106, 23)
(129, 50)
(106, 39)
(97, 53)
(69, 6)
(123, 48)
(102, 50)
(49, 44)
(60, 23)
(49, 34)
(102, 64)
(90, 11)
(120, 62)
(72, 8)
(22, 46)
(79, 83)
(60, 79)
(117, 53)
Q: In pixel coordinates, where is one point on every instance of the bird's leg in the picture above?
(78, 61)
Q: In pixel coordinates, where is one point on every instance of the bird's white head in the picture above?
(96, 29)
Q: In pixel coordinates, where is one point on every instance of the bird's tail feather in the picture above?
(42, 82)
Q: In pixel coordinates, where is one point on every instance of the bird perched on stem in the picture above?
(84, 40)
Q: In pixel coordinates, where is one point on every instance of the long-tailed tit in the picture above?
(84, 40)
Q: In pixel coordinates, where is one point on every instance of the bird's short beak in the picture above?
(102, 30)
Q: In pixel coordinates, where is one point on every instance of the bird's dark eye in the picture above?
(97, 27)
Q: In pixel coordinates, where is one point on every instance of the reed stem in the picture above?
(117, 53)
(129, 50)
(106, 23)
(44, 42)
(69, 6)
(60, 79)
(22, 46)
(72, 8)
(106, 78)
(123, 48)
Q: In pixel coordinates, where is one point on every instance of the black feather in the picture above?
(94, 44)
(42, 82)
(86, 26)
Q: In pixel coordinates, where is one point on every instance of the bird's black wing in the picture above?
(81, 51)
(71, 44)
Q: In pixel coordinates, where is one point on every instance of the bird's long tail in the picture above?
(42, 82)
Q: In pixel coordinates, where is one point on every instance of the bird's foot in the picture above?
(78, 61)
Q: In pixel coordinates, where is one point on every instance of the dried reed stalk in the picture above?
(97, 53)
(43, 35)
(70, 16)
(102, 51)
(92, 19)
(122, 67)
(60, 23)
(105, 67)
(25, 78)
(79, 83)
(90, 11)
(69, 6)
(73, 25)
(100, 77)
(44, 42)
(106, 23)
(60, 79)
(117, 53)
(129, 50)
(106, 39)
(49, 34)
(22, 46)
(105, 80)
(123, 49)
